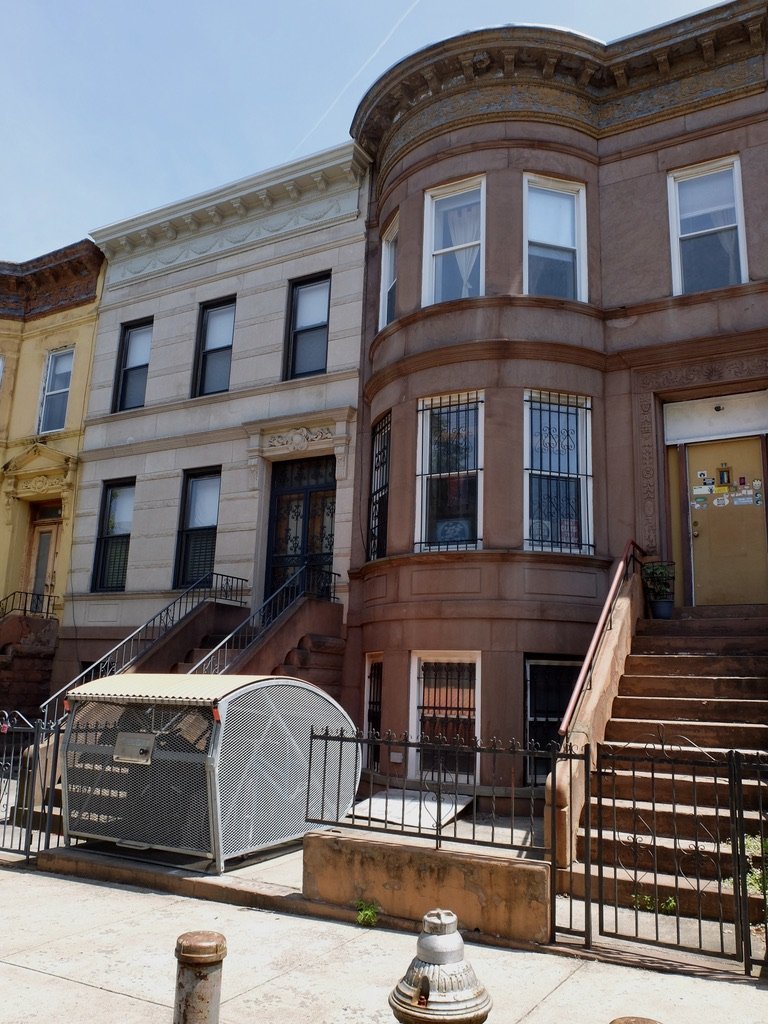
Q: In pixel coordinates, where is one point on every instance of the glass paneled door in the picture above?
(301, 518)
(41, 569)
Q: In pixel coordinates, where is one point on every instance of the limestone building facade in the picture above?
(222, 411)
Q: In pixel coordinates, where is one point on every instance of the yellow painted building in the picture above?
(48, 309)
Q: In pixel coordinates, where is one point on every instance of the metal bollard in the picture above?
(198, 978)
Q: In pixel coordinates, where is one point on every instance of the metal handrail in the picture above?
(625, 567)
(212, 585)
(308, 581)
(29, 602)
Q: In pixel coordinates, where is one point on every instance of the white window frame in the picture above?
(583, 405)
(48, 392)
(579, 192)
(431, 199)
(389, 241)
(425, 406)
(731, 163)
(417, 659)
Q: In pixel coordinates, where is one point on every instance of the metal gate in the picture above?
(30, 818)
(681, 849)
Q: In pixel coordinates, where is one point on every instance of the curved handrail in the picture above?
(629, 557)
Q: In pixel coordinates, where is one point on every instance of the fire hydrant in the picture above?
(440, 985)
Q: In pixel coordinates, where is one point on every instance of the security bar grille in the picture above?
(447, 708)
(377, 519)
(558, 473)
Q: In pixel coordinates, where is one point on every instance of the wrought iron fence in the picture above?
(30, 818)
(309, 580)
(213, 585)
(28, 603)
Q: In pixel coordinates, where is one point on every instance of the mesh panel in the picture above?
(265, 765)
(162, 804)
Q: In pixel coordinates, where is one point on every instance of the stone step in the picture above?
(670, 750)
(708, 857)
(708, 626)
(682, 785)
(301, 656)
(713, 646)
(670, 894)
(648, 821)
(696, 665)
(691, 709)
(327, 679)
(323, 644)
(721, 611)
(706, 687)
(719, 735)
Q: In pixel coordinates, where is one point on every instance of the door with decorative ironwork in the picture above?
(301, 518)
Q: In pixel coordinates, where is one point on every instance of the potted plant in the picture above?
(659, 584)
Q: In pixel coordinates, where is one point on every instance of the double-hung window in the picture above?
(449, 472)
(558, 473)
(454, 235)
(388, 274)
(308, 327)
(132, 366)
(111, 562)
(196, 549)
(214, 347)
(555, 262)
(58, 375)
(707, 227)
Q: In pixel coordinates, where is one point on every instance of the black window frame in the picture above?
(202, 354)
(294, 334)
(378, 501)
(124, 373)
(111, 546)
(200, 535)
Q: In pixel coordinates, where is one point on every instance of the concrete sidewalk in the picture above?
(103, 953)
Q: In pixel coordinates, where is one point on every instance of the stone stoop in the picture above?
(694, 687)
(318, 660)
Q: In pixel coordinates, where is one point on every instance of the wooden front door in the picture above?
(44, 546)
(727, 525)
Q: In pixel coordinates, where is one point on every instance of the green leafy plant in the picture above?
(659, 580)
(367, 913)
(668, 905)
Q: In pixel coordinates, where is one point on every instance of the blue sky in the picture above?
(111, 108)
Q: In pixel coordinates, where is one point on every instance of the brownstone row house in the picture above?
(459, 361)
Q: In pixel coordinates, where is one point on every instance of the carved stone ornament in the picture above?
(299, 440)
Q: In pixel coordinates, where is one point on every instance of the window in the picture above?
(214, 347)
(707, 227)
(308, 327)
(58, 374)
(377, 515)
(558, 473)
(549, 684)
(446, 688)
(197, 532)
(113, 541)
(555, 262)
(449, 472)
(132, 365)
(388, 274)
(454, 259)
(373, 711)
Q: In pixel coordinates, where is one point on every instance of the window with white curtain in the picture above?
(707, 227)
(454, 234)
(196, 548)
(555, 262)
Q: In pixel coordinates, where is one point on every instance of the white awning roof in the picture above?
(167, 688)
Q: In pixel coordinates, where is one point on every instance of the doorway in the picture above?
(301, 518)
(44, 547)
(726, 521)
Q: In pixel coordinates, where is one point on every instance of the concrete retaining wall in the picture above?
(498, 896)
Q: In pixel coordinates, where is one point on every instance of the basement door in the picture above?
(727, 525)
(301, 518)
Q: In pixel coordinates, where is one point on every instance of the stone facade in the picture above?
(166, 413)
(528, 316)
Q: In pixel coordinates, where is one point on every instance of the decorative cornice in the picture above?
(49, 284)
(525, 72)
(299, 196)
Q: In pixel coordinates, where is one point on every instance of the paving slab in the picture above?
(103, 953)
